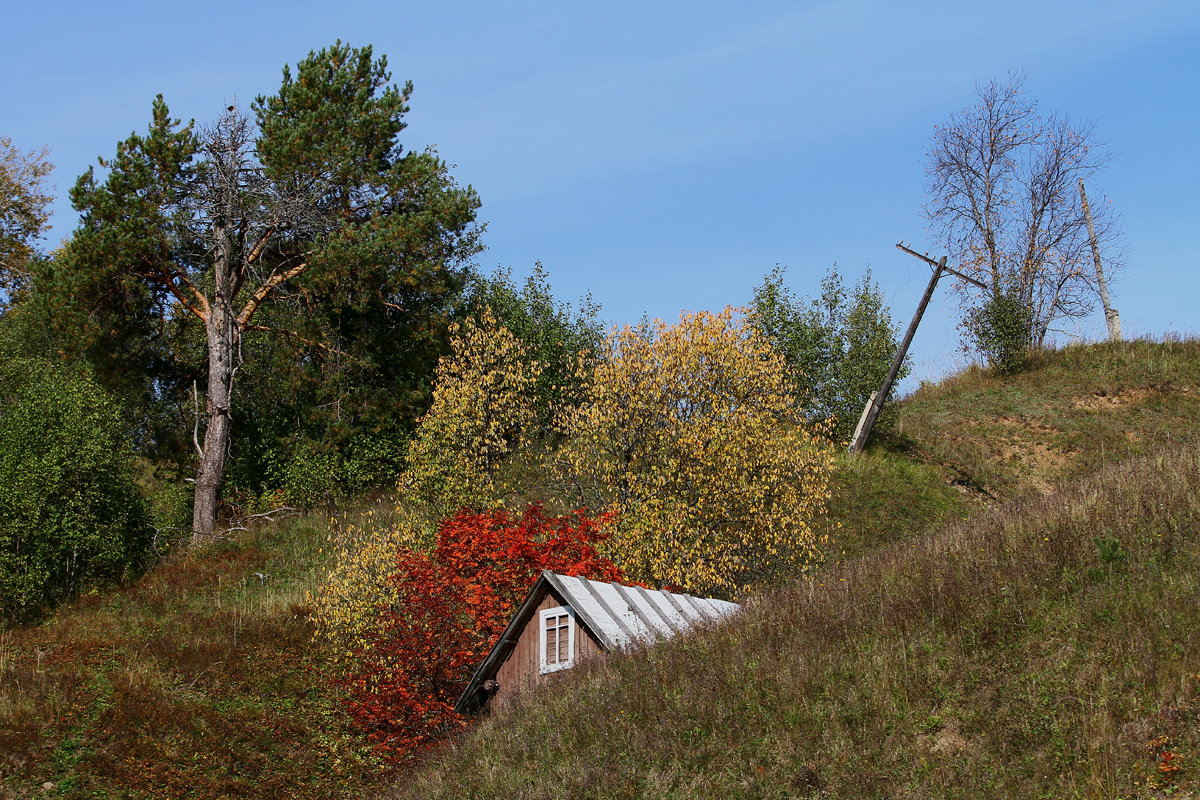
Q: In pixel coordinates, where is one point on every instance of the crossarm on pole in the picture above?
(933, 263)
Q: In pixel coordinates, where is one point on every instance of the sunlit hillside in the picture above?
(1018, 619)
(1008, 610)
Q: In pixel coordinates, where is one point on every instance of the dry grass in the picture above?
(1071, 413)
(975, 440)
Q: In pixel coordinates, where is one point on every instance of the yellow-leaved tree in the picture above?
(346, 606)
(692, 434)
(23, 215)
(482, 415)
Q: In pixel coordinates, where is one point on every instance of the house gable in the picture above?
(523, 666)
(521, 638)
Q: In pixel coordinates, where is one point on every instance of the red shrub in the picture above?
(455, 602)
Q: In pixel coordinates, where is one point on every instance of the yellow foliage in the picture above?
(482, 414)
(692, 434)
(23, 214)
(347, 604)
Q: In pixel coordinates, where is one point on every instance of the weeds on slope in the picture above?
(1071, 412)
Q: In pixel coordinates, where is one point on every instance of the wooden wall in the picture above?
(522, 667)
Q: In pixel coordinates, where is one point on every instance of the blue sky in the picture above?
(666, 156)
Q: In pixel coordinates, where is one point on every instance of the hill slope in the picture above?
(198, 681)
(974, 440)
(939, 657)
(1045, 647)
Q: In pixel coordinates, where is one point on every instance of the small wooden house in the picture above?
(565, 620)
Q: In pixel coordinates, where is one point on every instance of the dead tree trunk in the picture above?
(1111, 317)
(222, 331)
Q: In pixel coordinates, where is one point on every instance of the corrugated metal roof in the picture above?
(621, 616)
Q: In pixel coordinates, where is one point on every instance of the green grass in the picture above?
(880, 497)
(1071, 413)
(975, 440)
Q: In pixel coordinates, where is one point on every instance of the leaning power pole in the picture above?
(1111, 317)
(875, 404)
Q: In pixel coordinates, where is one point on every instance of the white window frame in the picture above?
(556, 612)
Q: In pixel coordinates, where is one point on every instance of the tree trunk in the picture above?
(221, 331)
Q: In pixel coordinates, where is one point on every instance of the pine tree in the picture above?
(287, 224)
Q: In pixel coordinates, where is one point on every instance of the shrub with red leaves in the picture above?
(455, 601)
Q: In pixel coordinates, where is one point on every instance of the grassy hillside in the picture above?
(972, 637)
(974, 441)
(1045, 646)
(1046, 649)
(1074, 411)
(199, 681)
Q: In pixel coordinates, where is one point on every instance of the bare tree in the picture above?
(239, 213)
(1002, 197)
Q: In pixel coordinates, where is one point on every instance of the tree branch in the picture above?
(265, 290)
(294, 335)
(288, 510)
(196, 427)
(197, 305)
(260, 245)
(255, 252)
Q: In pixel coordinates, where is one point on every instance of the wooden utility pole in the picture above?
(875, 404)
(1111, 317)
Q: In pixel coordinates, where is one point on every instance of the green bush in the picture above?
(369, 461)
(70, 514)
(1001, 330)
(553, 333)
(312, 471)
